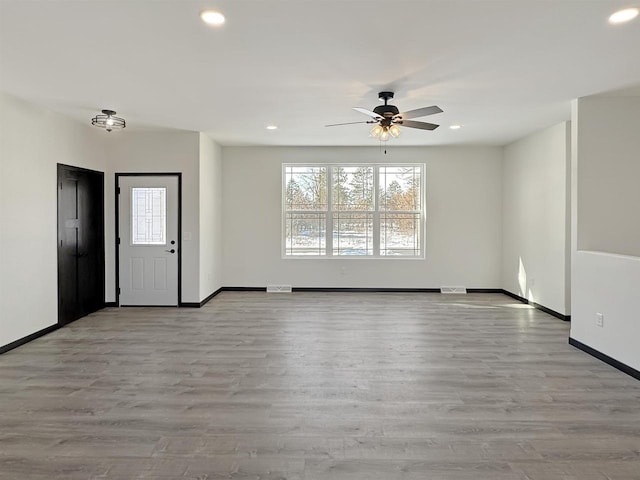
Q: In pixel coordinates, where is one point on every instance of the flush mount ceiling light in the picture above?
(211, 17)
(108, 121)
(272, 127)
(622, 16)
(455, 127)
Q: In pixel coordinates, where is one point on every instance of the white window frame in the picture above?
(376, 213)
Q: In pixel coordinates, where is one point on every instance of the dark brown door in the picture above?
(80, 242)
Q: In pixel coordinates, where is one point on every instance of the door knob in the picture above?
(171, 251)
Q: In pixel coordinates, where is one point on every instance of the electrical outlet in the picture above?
(599, 320)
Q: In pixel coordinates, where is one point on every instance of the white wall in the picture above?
(464, 203)
(605, 200)
(608, 175)
(535, 217)
(32, 142)
(608, 284)
(210, 179)
(158, 152)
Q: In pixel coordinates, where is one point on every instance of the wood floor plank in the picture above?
(310, 386)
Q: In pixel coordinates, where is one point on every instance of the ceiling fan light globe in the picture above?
(376, 131)
(394, 130)
(384, 136)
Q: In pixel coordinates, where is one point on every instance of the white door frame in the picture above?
(117, 224)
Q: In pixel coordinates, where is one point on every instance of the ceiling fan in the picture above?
(388, 118)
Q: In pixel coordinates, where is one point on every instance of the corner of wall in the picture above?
(210, 217)
(534, 218)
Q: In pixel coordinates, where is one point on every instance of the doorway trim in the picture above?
(117, 230)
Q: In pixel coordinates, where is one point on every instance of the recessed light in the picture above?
(212, 17)
(272, 127)
(622, 16)
(455, 127)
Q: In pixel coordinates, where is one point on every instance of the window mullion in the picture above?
(376, 211)
(329, 212)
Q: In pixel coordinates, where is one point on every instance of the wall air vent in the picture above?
(453, 290)
(278, 288)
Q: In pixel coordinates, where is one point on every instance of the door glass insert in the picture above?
(149, 216)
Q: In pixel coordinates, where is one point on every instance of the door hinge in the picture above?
(117, 190)
(118, 290)
(118, 240)
(60, 185)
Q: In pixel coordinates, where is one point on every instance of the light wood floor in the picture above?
(317, 386)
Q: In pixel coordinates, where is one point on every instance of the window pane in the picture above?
(369, 216)
(400, 234)
(148, 216)
(400, 188)
(352, 188)
(352, 233)
(305, 234)
(305, 188)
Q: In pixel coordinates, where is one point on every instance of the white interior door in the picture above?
(149, 243)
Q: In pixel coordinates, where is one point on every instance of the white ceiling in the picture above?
(502, 69)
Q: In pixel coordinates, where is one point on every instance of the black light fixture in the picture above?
(108, 121)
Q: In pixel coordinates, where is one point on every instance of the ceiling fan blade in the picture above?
(348, 123)
(420, 125)
(420, 112)
(367, 112)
